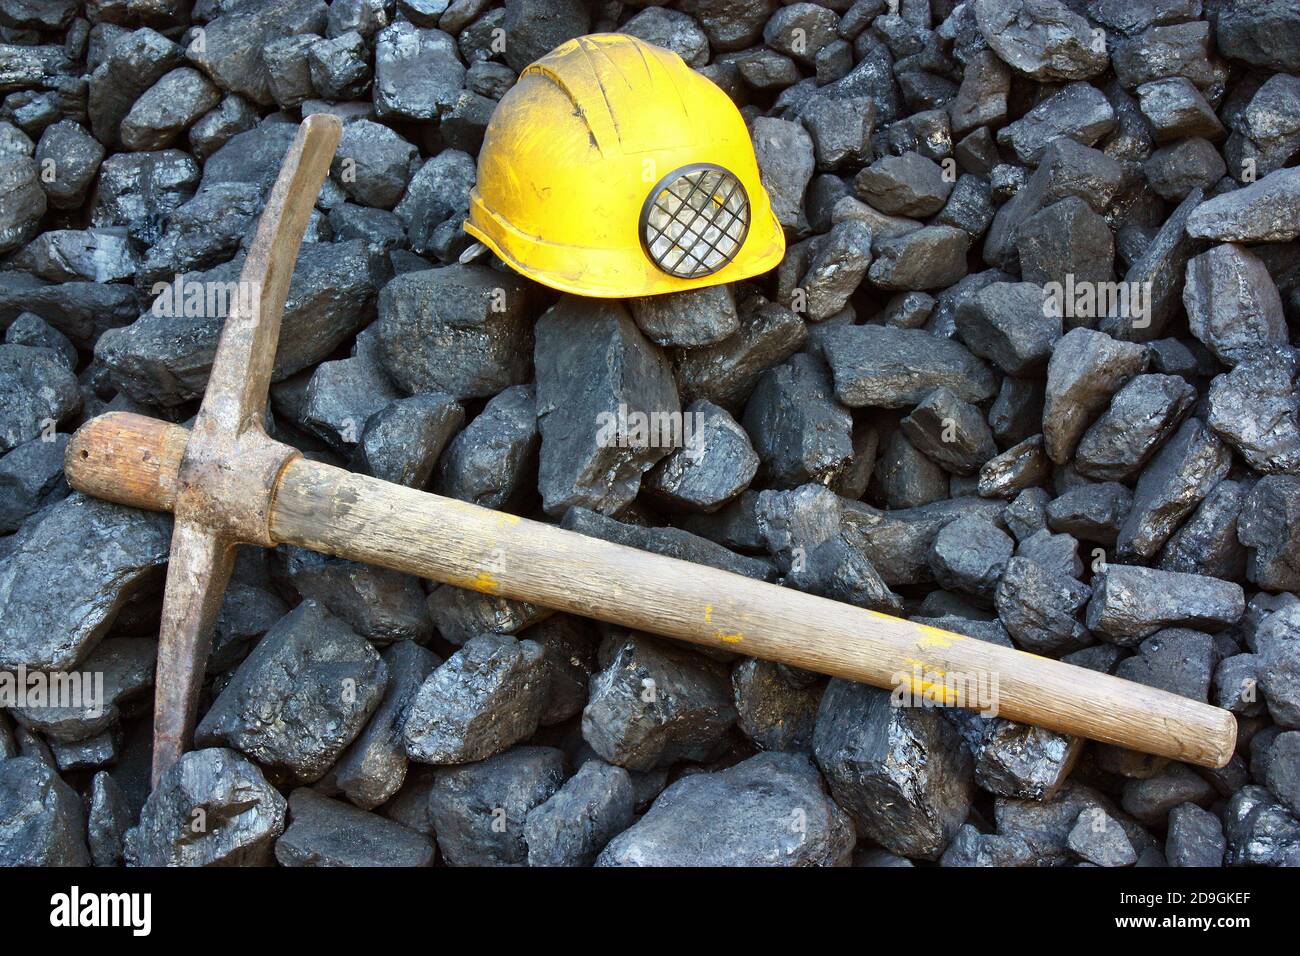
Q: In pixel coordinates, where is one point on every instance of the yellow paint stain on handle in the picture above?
(486, 582)
(728, 638)
(934, 637)
(708, 614)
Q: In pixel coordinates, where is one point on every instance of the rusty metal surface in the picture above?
(230, 467)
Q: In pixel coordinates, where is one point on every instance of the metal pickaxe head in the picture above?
(230, 466)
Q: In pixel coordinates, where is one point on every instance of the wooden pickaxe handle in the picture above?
(133, 460)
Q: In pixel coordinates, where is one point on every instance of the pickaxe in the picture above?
(228, 483)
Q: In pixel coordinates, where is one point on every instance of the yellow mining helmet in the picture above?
(612, 169)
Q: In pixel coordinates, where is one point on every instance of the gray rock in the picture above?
(799, 431)
(1027, 514)
(402, 442)
(232, 49)
(786, 162)
(1256, 408)
(461, 330)
(1195, 837)
(982, 97)
(836, 269)
(1040, 609)
(970, 555)
(1021, 466)
(486, 697)
(1141, 416)
(76, 157)
(22, 201)
(1085, 370)
(491, 461)
(164, 359)
(41, 818)
(687, 319)
(480, 810)
(1178, 660)
(77, 255)
(1044, 39)
(204, 231)
(1261, 33)
(840, 128)
(725, 373)
(340, 68)
(898, 542)
(1265, 134)
(1279, 665)
(1006, 323)
(569, 646)
(887, 367)
(1079, 112)
(1264, 211)
(1058, 553)
(1046, 826)
(904, 478)
(107, 820)
(342, 396)
(1130, 603)
(716, 464)
(1208, 543)
(1176, 49)
(134, 63)
(461, 614)
(325, 832)
(1232, 304)
(67, 578)
(1269, 525)
(140, 190)
(535, 28)
(574, 825)
(927, 258)
(901, 773)
(320, 678)
(289, 70)
(673, 31)
(418, 72)
(118, 671)
(907, 185)
(214, 129)
(603, 427)
(1176, 109)
(1259, 831)
(1063, 240)
(374, 767)
(167, 108)
(1236, 682)
(653, 705)
(1017, 412)
(951, 432)
(372, 164)
(31, 478)
(1099, 840)
(1160, 269)
(380, 604)
(211, 808)
(1176, 169)
(772, 712)
(840, 570)
(1023, 762)
(971, 848)
(1177, 479)
(784, 818)
(437, 193)
(1284, 769)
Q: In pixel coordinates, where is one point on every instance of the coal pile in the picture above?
(1027, 372)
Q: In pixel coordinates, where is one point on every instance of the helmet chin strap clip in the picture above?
(475, 250)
